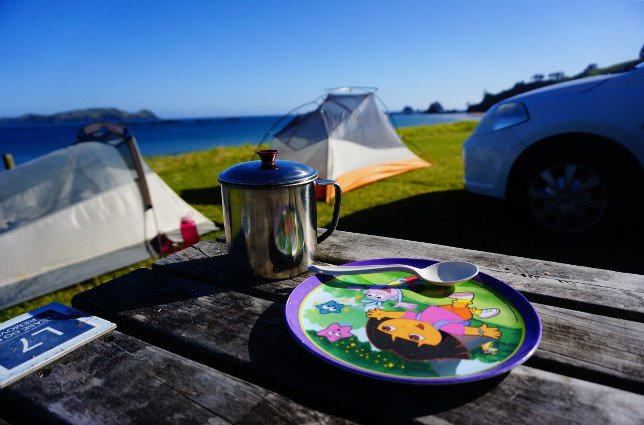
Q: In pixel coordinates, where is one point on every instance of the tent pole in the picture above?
(270, 130)
(8, 161)
(143, 183)
(145, 191)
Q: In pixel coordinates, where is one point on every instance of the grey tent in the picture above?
(82, 211)
(347, 138)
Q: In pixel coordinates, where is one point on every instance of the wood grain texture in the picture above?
(598, 291)
(207, 261)
(248, 337)
(588, 345)
(619, 294)
(122, 380)
(598, 348)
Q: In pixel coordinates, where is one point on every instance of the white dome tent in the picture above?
(347, 138)
(82, 211)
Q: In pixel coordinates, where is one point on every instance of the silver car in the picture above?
(569, 156)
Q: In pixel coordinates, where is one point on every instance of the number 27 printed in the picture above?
(25, 343)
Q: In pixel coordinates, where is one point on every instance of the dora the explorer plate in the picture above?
(394, 326)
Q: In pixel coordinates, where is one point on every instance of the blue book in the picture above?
(37, 338)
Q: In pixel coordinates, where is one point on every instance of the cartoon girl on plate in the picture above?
(434, 333)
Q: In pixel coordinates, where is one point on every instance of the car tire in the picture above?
(571, 193)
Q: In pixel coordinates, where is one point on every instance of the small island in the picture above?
(81, 116)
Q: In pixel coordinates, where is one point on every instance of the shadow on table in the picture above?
(312, 381)
(124, 294)
(459, 219)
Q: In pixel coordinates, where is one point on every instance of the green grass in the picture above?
(428, 205)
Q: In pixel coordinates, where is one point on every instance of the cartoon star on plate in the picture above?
(330, 307)
(335, 332)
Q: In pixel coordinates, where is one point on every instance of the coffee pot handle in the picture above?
(337, 204)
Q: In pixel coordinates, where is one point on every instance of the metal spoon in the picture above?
(447, 273)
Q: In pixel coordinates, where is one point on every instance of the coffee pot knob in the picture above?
(268, 158)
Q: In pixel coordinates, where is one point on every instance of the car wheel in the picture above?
(571, 195)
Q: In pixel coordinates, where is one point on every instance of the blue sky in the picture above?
(231, 58)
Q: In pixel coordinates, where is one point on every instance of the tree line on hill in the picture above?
(537, 81)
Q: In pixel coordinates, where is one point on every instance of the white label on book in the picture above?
(34, 339)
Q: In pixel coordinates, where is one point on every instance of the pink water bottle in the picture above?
(189, 231)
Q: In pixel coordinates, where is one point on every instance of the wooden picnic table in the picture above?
(197, 343)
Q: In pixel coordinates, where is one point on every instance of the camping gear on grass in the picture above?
(189, 232)
(347, 138)
(82, 211)
(270, 215)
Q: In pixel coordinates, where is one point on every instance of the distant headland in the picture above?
(82, 115)
(489, 99)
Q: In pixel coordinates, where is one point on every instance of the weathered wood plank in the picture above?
(596, 347)
(548, 282)
(248, 336)
(563, 401)
(122, 380)
(207, 261)
(583, 288)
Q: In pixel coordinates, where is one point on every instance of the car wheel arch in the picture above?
(605, 156)
(607, 148)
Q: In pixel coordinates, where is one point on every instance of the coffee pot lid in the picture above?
(268, 172)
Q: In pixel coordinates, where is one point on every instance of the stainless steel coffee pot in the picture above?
(270, 215)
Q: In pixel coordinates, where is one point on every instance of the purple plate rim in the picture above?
(531, 320)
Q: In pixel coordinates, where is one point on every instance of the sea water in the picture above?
(172, 137)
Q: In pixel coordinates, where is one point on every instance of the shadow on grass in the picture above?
(459, 219)
(202, 196)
